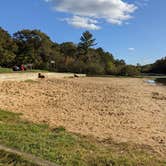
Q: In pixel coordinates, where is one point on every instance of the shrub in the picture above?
(94, 68)
(130, 70)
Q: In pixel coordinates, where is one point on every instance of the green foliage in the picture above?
(68, 51)
(87, 41)
(7, 49)
(130, 70)
(78, 67)
(146, 68)
(159, 67)
(35, 47)
(65, 148)
(111, 68)
(94, 68)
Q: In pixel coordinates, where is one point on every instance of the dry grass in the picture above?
(124, 109)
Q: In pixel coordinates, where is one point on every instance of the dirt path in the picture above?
(123, 109)
(35, 160)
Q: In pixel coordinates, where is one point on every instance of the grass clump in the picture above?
(65, 148)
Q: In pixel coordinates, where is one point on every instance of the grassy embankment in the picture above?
(65, 148)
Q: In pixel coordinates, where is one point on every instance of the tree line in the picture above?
(159, 67)
(35, 47)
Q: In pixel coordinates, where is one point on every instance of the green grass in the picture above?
(10, 70)
(65, 148)
(5, 70)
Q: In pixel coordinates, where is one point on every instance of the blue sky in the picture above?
(133, 30)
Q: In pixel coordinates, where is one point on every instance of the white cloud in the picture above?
(141, 3)
(131, 49)
(83, 22)
(86, 13)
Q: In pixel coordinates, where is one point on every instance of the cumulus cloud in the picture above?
(86, 13)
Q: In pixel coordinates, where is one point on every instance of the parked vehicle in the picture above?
(16, 68)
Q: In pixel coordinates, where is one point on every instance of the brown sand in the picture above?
(124, 109)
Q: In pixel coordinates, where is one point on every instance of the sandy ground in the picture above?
(124, 109)
(33, 76)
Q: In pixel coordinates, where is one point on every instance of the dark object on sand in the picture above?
(76, 75)
(41, 76)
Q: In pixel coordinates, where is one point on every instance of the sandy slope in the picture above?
(124, 109)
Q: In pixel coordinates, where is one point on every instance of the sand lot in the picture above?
(123, 109)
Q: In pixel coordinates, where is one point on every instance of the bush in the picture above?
(130, 70)
(78, 67)
(112, 69)
(94, 68)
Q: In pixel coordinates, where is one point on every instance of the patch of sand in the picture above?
(125, 109)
